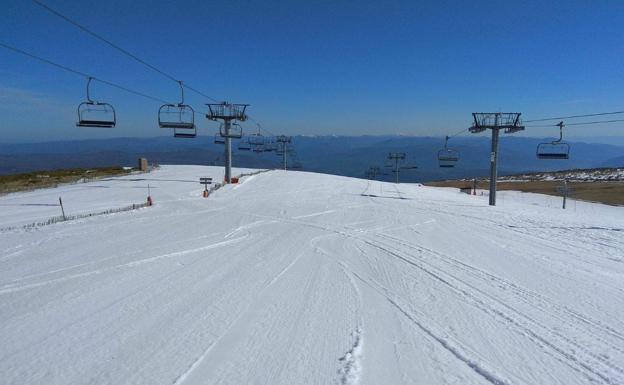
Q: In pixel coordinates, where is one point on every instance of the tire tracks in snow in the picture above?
(197, 362)
(351, 361)
(497, 225)
(447, 344)
(95, 262)
(565, 355)
(537, 300)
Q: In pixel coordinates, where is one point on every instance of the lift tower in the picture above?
(283, 143)
(495, 121)
(398, 157)
(228, 113)
(372, 172)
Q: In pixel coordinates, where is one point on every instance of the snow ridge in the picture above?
(352, 361)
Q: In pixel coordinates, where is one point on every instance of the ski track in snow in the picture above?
(351, 361)
(308, 278)
(315, 214)
(13, 288)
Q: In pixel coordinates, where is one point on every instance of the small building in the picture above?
(143, 164)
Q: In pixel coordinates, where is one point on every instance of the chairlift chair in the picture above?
(236, 131)
(557, 149)
(218, 139)
(188, 133)
(256, 139)
(447, 157)
(95, 114)
(180, 117)
(270, 146)
(553, 151)
(243, 144)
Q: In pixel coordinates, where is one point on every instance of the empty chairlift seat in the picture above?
(557, 149)
(95, 114)
(447, 157)
(176, 116)
(180, 117)
(235, 131)
(243, 144)
(185, 133)
(218, 139)
(270, 146)
(256, 139)
(553, 150)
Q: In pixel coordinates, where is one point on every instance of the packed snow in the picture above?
(302, 278)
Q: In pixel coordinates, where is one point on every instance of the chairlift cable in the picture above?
(573, 117)
(79, 73)
(125, 52)
(580, 123)
(120, 49)
(458, 133)
(595, 122)
(260, 126)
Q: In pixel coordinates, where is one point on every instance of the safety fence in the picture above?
(135, 206)
(65, 218)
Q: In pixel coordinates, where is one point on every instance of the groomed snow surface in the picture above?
(297, 278)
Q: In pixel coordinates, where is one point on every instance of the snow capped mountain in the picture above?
(302, 278)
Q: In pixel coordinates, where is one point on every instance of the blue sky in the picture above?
(317, 67)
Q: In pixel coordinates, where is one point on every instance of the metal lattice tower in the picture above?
(398, 157)
(508, 121)
(372, 172)
(228, 113)
(283, 147)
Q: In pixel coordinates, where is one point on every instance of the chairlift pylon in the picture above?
(557, 149)
(95, 114)
(447, 157)
(180, 117)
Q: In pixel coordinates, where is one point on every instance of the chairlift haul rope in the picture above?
(120, 49)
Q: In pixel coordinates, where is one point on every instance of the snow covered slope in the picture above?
(300, 278)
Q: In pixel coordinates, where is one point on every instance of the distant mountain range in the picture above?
(341, 155)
